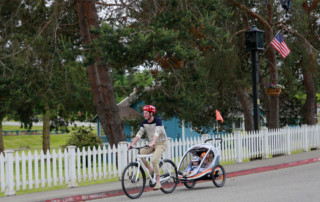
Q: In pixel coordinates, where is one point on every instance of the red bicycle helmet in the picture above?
(149, 108)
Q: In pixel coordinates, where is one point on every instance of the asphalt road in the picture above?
(294, 184)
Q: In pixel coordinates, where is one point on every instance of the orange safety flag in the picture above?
(218, 116)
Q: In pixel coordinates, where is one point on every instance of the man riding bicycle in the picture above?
(157, 137)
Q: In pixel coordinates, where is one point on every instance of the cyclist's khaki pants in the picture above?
(158, 149)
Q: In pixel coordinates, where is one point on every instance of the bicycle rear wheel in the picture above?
(168, 176)
(133, 180)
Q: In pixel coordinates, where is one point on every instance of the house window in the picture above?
(238, 123)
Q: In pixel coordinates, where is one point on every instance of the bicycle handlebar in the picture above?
(145, 146)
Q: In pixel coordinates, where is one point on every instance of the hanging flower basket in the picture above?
(273, 91)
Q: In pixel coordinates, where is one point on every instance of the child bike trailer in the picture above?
(207, 167)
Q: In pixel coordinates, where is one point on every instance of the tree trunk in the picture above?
(264, 96)
(46, 131)
(100, 79)
(246, 106)
(1, 138)
(310, 106)
(273, 119)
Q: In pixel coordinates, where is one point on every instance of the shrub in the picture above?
(84, 138)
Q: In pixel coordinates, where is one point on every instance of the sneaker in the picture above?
(157, 186)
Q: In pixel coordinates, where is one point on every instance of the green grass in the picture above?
(296, 152)
(6, 127)
(33, 141)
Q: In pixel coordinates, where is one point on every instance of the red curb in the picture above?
(274, 167)
(107, 194)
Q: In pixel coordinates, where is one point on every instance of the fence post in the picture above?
(288, 142)
(122, 156)
(239, 147)
(72, 166)
(265, 143)
(305, 137)
(9, 173)
(167, 153)
(317, 136)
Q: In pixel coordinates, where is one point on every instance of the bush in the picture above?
(84, 138)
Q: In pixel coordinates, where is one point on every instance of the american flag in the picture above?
(281, 46)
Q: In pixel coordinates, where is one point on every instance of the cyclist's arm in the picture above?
(153, 141)
(135, 140)
(138, 136)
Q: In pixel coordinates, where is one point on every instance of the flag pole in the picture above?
(217, 126)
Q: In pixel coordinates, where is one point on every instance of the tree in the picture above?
(125, 84)
(309, 73)
(175, 40)
(302, 31)
(4, 109)
(99, 76)
(267, 22)
(43, 81)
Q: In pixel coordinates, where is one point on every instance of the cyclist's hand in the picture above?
(151, 145)
(129, 147)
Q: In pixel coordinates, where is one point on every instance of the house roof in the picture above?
(129, 113)
(125, 111)
(126, 101)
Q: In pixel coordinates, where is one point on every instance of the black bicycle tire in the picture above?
(175, 177)
(123, 177)
(214, 177)
(190, 185)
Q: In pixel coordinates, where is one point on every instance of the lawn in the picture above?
(7, 127)
(33, 141)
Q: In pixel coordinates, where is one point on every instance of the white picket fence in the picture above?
(72, 165)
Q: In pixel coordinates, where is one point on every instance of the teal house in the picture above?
(130, 110)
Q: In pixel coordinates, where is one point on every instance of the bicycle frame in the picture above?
(136, 172)
(146, 170)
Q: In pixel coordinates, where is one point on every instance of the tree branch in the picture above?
(41, 31)
(314, 5)
(253, 14)
(238, 32)
(106, 4)
(294, 32)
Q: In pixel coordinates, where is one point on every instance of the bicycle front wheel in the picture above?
(168, 176)
(133, 180)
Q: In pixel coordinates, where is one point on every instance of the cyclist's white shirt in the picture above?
(155, 128)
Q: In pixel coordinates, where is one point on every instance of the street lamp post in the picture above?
(254, 42)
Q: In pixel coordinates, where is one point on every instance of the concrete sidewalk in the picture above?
(114, 188)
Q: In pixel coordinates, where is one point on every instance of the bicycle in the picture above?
(133, 177)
